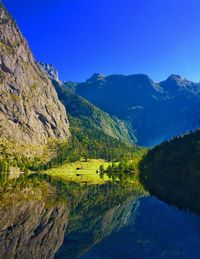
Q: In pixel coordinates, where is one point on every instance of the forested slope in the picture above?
(171, 171)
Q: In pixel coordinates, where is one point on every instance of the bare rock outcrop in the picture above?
(30, 111)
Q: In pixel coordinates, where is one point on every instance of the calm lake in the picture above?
(46, 218)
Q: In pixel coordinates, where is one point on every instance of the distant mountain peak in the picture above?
(96, 76)
(175, 84)
(178, 79)
(50, 70)
(174, 77)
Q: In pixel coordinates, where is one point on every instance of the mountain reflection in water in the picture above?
(43, 217)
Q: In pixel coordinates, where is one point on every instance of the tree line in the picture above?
(171, 171)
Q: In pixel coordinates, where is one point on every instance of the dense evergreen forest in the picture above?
(86, 142)
(89, 143)
(171, 171)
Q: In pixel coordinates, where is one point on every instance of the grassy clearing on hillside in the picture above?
(86, 173)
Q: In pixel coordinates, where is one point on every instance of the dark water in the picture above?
(154, 231)
(46, 218)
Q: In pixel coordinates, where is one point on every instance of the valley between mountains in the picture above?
(108, 129)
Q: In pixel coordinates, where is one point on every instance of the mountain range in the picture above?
(83, 113)
(155, 111)
(147, 112)
(36, 106)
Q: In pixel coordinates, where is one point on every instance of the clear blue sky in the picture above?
(80, 37)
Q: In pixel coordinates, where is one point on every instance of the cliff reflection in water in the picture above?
(42, 217)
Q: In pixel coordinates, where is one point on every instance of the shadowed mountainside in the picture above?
(156, 111)
(84, 114)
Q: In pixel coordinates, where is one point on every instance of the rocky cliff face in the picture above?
(30, 111)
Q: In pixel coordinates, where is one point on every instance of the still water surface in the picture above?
(46, 218)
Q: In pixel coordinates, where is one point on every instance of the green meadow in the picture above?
(80, 171)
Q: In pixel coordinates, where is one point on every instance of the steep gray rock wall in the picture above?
(30, 111)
